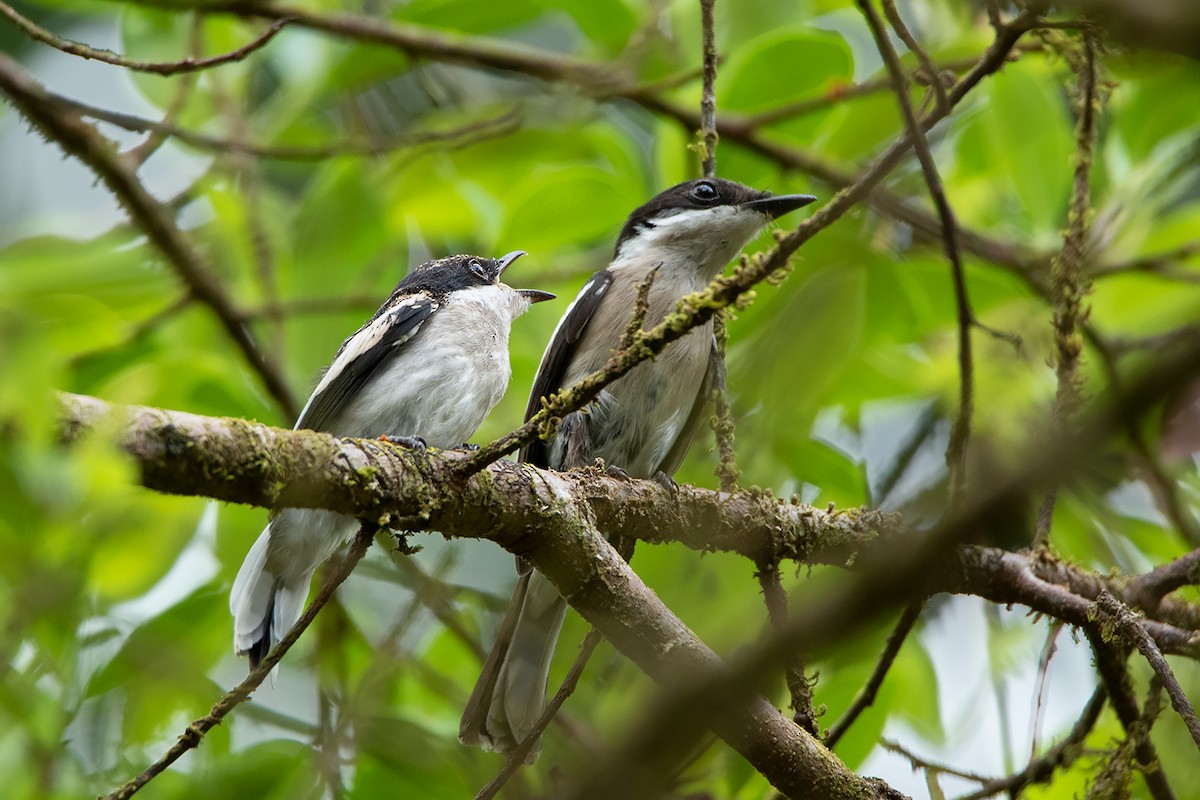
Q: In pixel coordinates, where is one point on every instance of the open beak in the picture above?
(533, 295)
(506, 260)
(775, 207)
(536, 295)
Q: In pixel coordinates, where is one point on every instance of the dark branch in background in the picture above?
(1153, 471)
(960, 432)
(84, 142)
(1170, 25)
(187, 64)
(467, 133)
(235, 696)
(1114, 677)
(1066, 272)
(866, 696)
(1129, 627)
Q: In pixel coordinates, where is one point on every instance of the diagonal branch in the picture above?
(83, 141)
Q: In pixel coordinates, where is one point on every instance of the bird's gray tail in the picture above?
(264, 605)
(510, 694)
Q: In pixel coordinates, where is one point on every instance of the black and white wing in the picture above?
(361, 355)
(557, 357)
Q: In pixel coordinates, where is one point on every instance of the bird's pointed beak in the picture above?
(536, 295)
(775, 207)
(508, 259)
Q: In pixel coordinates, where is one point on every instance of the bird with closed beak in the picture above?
(425, 370)
(641, 424)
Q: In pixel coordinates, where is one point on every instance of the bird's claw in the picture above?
(411, 442)
(666, 481)
(470, 448)
(613, 471)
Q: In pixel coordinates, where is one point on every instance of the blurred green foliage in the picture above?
(105, 659)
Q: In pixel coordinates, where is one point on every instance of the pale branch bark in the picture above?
(550, 519)
(245, 462)
(85, 142)
(551, 527)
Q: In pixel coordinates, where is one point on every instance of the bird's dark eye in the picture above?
(705, 192)
(476, 266)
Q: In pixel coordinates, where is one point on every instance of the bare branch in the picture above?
(185, 65)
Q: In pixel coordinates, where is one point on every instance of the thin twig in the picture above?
(185, 65)
(866, 696)
(235, 696)
(1048, 650)
(722, 421)
(960, 433)
(1129, 627)
(922, 763)
(1166, 264)
(516, 758)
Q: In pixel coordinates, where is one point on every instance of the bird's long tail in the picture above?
(264, 605)
(511, 692)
